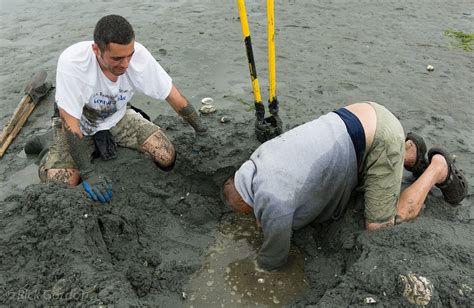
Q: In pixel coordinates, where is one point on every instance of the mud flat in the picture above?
(155, 239)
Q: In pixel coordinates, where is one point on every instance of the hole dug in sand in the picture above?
(168, 233)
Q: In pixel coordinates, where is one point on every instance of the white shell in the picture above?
(369, 300)
(207, 101)
(430, 68)
(207, 109)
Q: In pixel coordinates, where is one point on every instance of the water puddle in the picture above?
(19, 180)
(229, 278)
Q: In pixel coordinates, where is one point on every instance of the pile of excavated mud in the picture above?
(347, 265)
(57, 247)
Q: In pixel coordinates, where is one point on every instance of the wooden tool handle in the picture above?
(16, 129)
(34, 90)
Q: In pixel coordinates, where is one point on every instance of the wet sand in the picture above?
(154, 240)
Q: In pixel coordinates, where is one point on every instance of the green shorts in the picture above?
(130, 132)
(383, 168)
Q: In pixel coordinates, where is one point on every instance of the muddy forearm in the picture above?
(276, 245)
(78, 149)
(187, 111)
(190, 115)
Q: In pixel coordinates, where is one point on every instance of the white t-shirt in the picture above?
(85, 93)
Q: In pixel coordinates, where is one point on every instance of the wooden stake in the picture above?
(35, 89)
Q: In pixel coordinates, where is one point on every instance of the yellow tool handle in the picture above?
(271, 51)
(243, 18)
(248, 46)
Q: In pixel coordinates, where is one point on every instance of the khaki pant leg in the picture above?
(133, 130)
(383, 168)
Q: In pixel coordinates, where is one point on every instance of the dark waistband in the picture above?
(356, 132)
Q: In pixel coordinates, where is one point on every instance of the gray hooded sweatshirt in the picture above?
(306, 174)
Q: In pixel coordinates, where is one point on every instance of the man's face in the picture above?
(115, 57)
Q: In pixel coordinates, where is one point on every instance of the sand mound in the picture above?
(60, 248)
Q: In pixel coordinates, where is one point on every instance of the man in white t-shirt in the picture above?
(95, 80)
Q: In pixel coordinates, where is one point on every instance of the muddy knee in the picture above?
(70, 177)
(161, 150)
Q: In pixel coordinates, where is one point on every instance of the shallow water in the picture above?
(19, 180)
(229, 276)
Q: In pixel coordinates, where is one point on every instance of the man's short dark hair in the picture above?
(113, 29)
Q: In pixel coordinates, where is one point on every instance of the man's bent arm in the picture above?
(187, 111)
(97, 186)
(276, 242)
(76, 143)
(70, 123)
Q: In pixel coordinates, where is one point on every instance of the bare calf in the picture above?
(160, 149)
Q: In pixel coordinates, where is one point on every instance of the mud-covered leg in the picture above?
(70, 177)
(161, 150)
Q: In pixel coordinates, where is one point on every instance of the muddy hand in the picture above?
(191, 116)
(98, 187)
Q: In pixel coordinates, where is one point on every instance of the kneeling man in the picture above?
(309, 173)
